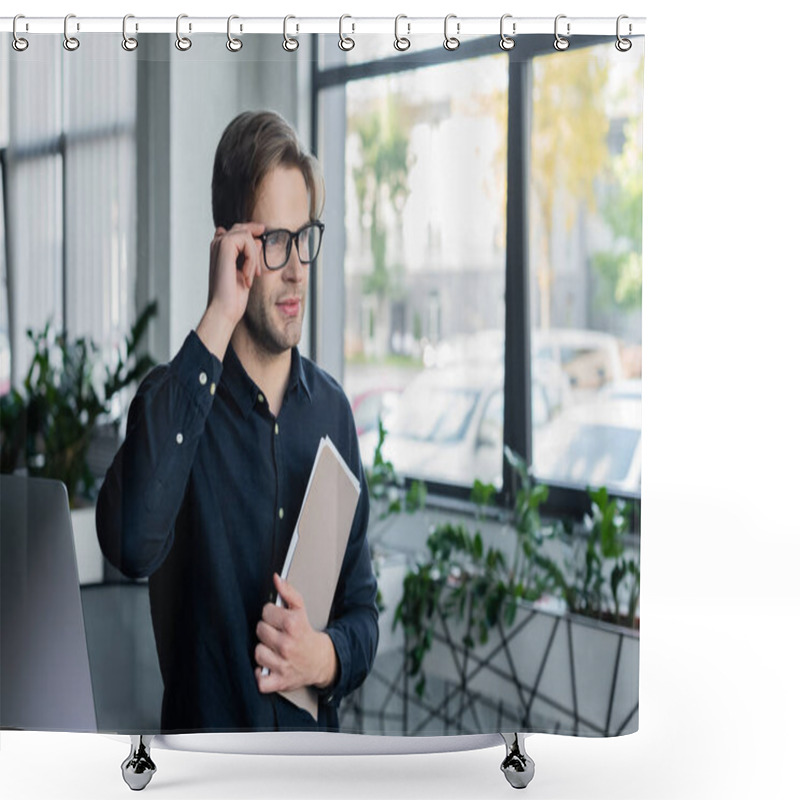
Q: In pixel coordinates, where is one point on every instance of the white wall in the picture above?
(176, 107)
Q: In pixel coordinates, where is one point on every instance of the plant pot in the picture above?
(547, 672)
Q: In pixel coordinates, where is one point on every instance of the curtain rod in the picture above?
(348, 25)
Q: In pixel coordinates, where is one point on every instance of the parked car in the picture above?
(371, 405)
(627, 389)
(488, 347)
(448, 425)
(590, 359)
(596, 443)
(572, 363)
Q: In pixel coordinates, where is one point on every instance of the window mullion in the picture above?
(65, 228)
(517, 384)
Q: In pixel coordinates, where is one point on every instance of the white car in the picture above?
(447, 425)
(572, 363)
(590, 359)
(594, 443)
(628, 389)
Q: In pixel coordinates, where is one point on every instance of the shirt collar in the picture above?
(298, 373)
(244, 390)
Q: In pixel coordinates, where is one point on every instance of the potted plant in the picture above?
(537, 626)
(48, 426)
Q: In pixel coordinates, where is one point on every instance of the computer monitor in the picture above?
(45, 682)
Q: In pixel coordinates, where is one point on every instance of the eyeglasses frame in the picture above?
(293, 242)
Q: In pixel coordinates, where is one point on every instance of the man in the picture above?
(205, 491)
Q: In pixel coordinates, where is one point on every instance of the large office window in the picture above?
(69, 180)
(422, 159)
(585, 252)
(424, 263)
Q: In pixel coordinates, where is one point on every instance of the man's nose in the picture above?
(294, 269)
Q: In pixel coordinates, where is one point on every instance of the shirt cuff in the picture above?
(198, 371)
(332, 695)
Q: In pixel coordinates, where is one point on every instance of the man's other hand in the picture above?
(294, 653)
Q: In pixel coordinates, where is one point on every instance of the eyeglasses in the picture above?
(277, 245)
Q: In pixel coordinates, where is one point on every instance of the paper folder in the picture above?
(314, 560)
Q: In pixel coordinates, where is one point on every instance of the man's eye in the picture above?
(274, 239)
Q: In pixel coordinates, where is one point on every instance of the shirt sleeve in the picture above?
(354, 618)
(144, 487)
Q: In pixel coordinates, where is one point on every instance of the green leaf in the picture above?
(482, 494)
(527, 548)
(483, 633)
(395, 507)
(416, 496)
(510, 612)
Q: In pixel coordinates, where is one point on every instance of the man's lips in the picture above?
(289, 306)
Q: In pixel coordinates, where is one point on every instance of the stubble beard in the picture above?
(267, 336)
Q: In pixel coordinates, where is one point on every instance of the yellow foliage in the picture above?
(570, 129)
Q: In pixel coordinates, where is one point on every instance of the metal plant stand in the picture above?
(517, 766)
(138, 768)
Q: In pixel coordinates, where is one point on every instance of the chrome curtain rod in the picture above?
(349, 25)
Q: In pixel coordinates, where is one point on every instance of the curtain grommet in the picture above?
(71, 43)
(129, 43)
(622, 44)
(561, 43)
(507, 42)
(346, 43)
(401, 43)
(233, 44)
(451, 42)
(19, 43)
(290, 44)
(183, 43)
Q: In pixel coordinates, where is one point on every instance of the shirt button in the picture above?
(203, 379)
(280, 513)
(179, 438)
(213, 388)
(260, 398)
(276, 428)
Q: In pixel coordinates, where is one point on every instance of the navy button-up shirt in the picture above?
(203, 497)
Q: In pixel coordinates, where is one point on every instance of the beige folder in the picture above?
(318, 544)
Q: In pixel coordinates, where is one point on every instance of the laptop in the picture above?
(45, 682)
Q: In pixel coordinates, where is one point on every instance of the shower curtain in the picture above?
(477, 297)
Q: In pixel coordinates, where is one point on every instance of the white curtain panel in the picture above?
(477, 297)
